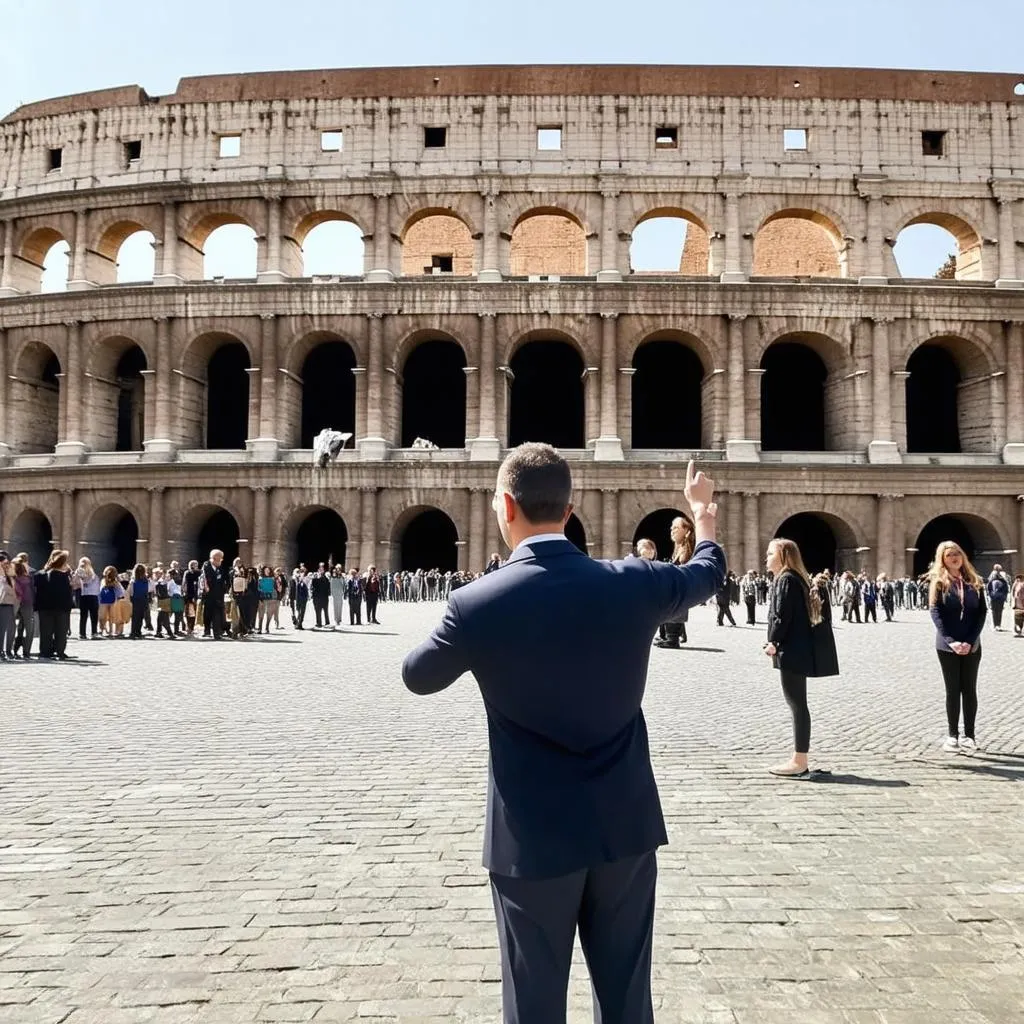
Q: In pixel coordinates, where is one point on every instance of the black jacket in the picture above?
(802, 649)
(321, 587)
(216, 580)
(53, 591)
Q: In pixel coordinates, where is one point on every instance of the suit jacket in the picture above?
(559, 644)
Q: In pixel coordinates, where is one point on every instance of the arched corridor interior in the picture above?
(112, 539)
(429, 542)
(130, 400)
(321, 537)
(434, 394)
(227, 397)
(977, 537)
(816, 540)
(792, 399)
(328, 391)
(666, 396)
(32, 533)
(218, 530)
(574, 531)
(230, 251)
(932, 391)
(35, 395)
(657, 526)
(546, 396)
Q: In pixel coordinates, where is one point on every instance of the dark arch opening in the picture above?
(574, 531)
(434, 395)
(321, 537)
(546, 397)
(33, 534)
(227, 397)
(816, 540)
(952, 528)
(792, 399)
(51, 372)
(932, 401)
(657, 526)
(666, 396)
(130, 403)
(220, 530)
(429, 542)
(328, 390)
(113, 536)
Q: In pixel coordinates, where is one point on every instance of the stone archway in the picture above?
(427, 539)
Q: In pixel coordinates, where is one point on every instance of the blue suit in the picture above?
(559, 645)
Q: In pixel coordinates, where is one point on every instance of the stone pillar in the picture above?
(157, 540)
(359, 372)
(886, 558)
(368, 514)
(609, 270)
(1013, 451)
(68, 526)
(882, 448)
(752, 541)
(610, 522)
(374, 446)
(381, 269)
(491, 266)
(477, 529)
(738, 446)
(5, 387)
(260, 547)
(78, 265)
(873, 268)
(591, 406)
(486, 447)
(7, 288)
(160, 442)
(273, 272)
(733, 273)
(608, 447)
(70, 447)
(167, 273)
(731, 503)
(267, 444)
(1008, 276)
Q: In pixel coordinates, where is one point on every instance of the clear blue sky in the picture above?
(54, 47)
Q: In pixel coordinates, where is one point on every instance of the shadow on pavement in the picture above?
(857, 780)
(1012, 773)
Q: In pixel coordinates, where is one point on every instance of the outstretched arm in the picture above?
(440, 659)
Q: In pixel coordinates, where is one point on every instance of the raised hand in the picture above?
(699, 491)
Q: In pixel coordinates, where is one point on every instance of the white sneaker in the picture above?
(952, 745)
(967, 745)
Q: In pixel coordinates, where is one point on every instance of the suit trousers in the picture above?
(612, 905)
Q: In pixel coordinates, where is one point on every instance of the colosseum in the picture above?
(494, 298)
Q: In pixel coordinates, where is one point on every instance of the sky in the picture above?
(55, 47)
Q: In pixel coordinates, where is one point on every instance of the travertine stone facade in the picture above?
(788, 246)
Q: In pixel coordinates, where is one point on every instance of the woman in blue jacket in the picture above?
(956, 600)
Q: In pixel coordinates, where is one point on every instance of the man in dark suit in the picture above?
(573, 815)
(217, 578)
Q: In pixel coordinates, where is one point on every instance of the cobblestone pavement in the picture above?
(277, 831)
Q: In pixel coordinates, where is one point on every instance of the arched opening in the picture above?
(31, 532)
(43, 263)
(979, 539)
(548, 242)
(130, 400)
(437, 243)
(939, 245)
(35, 397)
(799, 243)
(428, 540)
(575, 532)
(818, 543)
(657, 526)
(328, 390)
(136, 258)
(321, 537)
(230, 251)
(792, 398)
(227, 397)
(332, 246)
(546, 397)
(111, 538)
(669, 242)
(211, 527)
(56, 267)
(666, 392)
(434, 394)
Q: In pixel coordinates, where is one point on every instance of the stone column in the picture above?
(486, 447)
(5, 387)
(70, 446)
(272, 272)
(873, 267)
(157, 540)
(381, 269)
(738, 447)
(610, 522)
(368, 514)
(609, 270)
(167, 273)
(260, 547)
(591, 406)
(881, 448)
(1008, 275)
(477, 529)
(608, 447)
(266, 445)
(886, 558)
(1013, 451)
(68, 526)
(731, 503)
(160, 442)
(491, 268)
(78, 265)
(359, 372)
(374, 446)
(733, 273)
(7, 288)
(751, 530)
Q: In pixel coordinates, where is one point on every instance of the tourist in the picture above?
(672, 634)
(851, 597)
(8, 606)
(869, 597)
(998, 590)
(748, 589)
(354, 593)
(887, 596)
(280, 595)
(162, 593)
(53, 603)
(298, 596)
(796, 650)
(320, 595)
(215, 583)
(371, 589)
(25, 615)
(267, 595)
(110, 594)
(190, 579)
(957, 604)
(138, 593)
(339, 586)
(87, 584)
(723, 598)
(1017, 597)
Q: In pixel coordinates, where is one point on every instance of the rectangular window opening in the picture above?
(133, 151)
(549, 138)
(794, 140)
(435, 138)
(666, 138)
(230, 145)
(331, 141)
(56, 159)
(933, 143)
(441, 264)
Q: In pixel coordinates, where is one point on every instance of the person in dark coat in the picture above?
(372, 589)
(354, 593)
(723, 598)
(998, 590)
(794, 610)
(956, 600)
(53, 603)
(216, 577)
(320, 593)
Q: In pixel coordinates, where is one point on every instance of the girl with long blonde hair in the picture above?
(672, 634)
(956, 602)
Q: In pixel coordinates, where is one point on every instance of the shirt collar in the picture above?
(539, 538)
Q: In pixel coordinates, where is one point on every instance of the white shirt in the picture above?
(539, 538)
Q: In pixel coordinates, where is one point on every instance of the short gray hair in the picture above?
(539, 480)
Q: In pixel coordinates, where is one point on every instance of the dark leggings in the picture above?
(960, 674)
(88, 612)
(795, 689)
